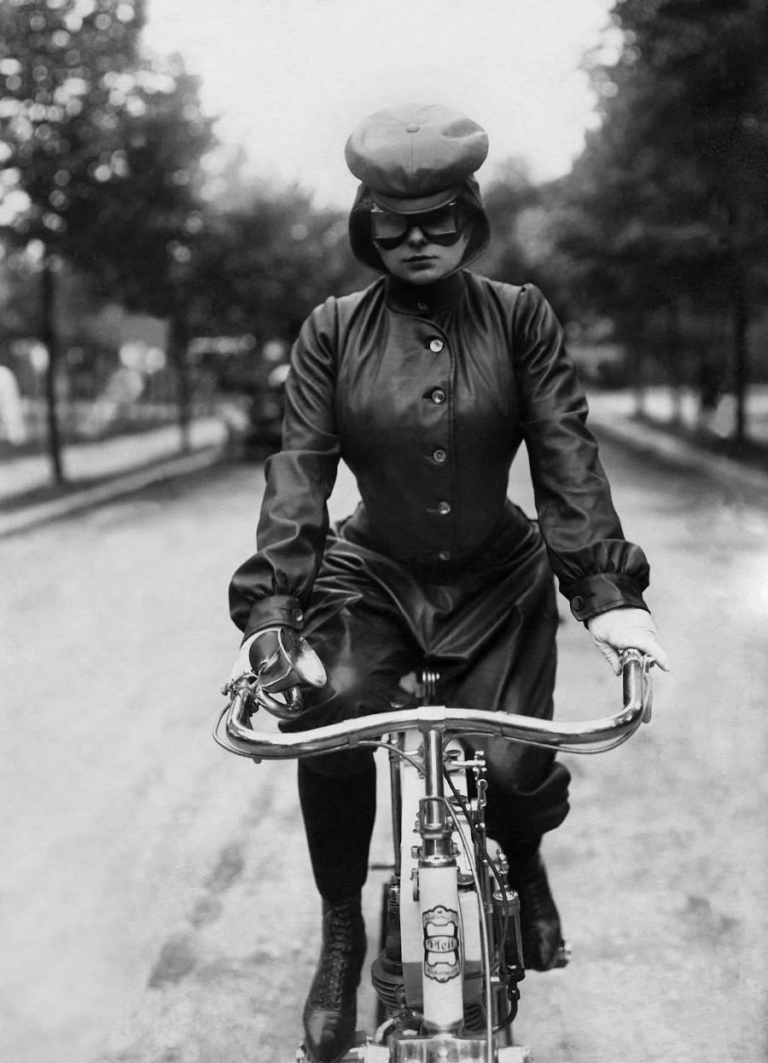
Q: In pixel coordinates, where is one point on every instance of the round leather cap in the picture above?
(416, 157)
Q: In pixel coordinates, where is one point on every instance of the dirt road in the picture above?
(156, 898)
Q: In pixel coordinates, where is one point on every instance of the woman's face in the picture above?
(418, 261)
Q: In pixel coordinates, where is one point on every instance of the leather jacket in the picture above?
(427, 396)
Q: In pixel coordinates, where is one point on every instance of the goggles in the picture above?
(442, 226)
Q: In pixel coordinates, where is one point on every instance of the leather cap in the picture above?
(416, 157)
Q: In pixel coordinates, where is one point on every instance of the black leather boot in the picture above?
(330, 1014)
(539, 919)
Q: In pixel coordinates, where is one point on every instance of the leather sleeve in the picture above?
(596, 567)
(274, 583)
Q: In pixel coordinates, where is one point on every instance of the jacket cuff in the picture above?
(280, 610)
(601, 592)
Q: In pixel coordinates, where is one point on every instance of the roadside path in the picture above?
(611, 415)
(107, 470)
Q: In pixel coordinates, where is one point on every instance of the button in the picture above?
(423, 308)
(436, 346)
(297, 616)
(443, 508)
(445, 555)
(412, 128)
(578, 602)
(438, 396)
(440, 456)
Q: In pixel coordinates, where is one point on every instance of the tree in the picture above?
(149, 227)
(668, 204)
(523, 249)
(61, 65)
(270, 260)
(103, 165)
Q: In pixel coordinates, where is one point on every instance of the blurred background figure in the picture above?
(12, 425)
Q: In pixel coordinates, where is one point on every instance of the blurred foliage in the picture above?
(106, 186)
(100, 151)
(525, 225)
(66, 75)
(657, 240)
(664, 218)
(151, 216)
(268, 262)
(104, 168)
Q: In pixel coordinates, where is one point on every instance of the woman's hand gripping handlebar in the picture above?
(234, 733)
(275, 664)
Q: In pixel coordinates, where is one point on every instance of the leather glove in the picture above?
(257, 651)
(281, 659)
(626, 628)
(243, 664)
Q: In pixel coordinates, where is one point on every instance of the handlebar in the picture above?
(233, 732)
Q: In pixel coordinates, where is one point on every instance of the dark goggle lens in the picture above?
(440, 226)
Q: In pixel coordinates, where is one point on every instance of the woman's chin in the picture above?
(421, 272)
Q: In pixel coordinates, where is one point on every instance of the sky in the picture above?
(289, 79)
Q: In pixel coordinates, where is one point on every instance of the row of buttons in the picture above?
(438, 396)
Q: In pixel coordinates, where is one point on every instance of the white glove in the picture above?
(626, 628)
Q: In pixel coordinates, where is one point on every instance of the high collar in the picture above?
(425, 300)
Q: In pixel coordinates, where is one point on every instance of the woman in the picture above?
(426, 383)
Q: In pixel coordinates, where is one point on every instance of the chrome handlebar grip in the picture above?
(233, 732)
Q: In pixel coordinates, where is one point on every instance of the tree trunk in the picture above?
(178, 344)
(49, 336)
(636, 364)
(675, 363)
(740, 353)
